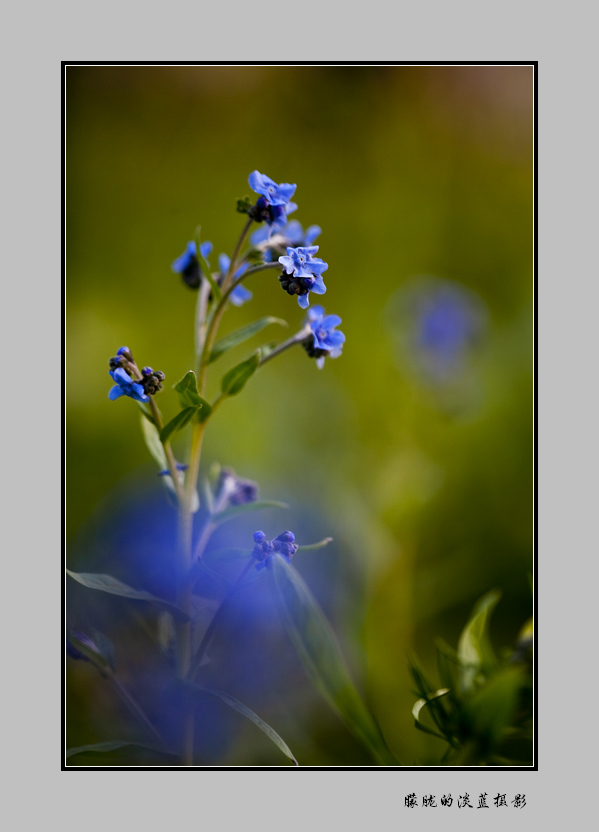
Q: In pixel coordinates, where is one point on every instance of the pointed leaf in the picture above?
(253, 717)
(244, 508)
(106, 583)
(178, 423)
(235, 380)
(474, 647)
(187, 389)
(420, 704)
(242, 334)
(320, 545)
(104, 747)
(318, 649)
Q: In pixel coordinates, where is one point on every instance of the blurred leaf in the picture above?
(178, 423)
(422, 703)
(104, 747)
(106, 583)
(318, 649)
(474, 646)
(235, 380)
(145, 409)
(154, 444)
(320, 545)
(205, 267)
(245, 508)
(253, 717)
(99, 661)
(489, 711)
(448, 665)
(425, 690)
(106, 648)
(242, 334)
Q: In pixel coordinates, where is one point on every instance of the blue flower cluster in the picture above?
(129, 381)
(264, 550)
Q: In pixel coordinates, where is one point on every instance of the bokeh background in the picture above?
(413, 450)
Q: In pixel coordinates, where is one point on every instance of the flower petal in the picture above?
(304, 301)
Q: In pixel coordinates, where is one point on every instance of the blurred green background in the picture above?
(425, 484)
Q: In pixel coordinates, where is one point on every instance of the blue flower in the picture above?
(305, 271)
(273, 193)
(264, 550)
(188, 266)
(126, 387)
(325, 341)
(240, 294)
(274, 203)
(291, 235)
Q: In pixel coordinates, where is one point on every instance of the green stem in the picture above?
(290, 342)
(205, 643)
(170, 459)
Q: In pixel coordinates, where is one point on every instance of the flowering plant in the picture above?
(204, 503)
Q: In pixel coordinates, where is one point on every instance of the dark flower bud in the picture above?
(314, 352)
(152, 383)
(244, 205)
(286, 537)
(295, 285)
(259, 537)
(147, 371)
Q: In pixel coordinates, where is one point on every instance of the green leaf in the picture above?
(320, 545)
(216, 290)
(242, 334)
(235, 380)
(152, 439)
(489, 712)
(245, 508)
(145, 409)
(187, 389)
(104, 747)
(106, 583)
(317, 647)
(474, 646)
(422, 703)
(178, 423)
(253, 717)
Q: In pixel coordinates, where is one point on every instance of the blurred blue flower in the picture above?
(178, 465)
(240, 294)
(291, 235)
(273, 193)
(326, 341)
(125, 387)
(188, 266)
(74, 653)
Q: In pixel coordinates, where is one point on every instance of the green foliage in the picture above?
(317, 647)
(235, 380)
(178, 423)
(106, 583)
(484, 710)
(243, 334)
(105, 747)
(242, 709)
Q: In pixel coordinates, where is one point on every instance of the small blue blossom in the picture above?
(325, 341)
(264, 550)
(74, 653)
(179, 466)
(273, 193)
(291, 235)
(274, 204)
(305, 271)
(125, 386)
(240, 294)
(188, 266)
